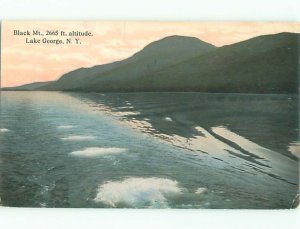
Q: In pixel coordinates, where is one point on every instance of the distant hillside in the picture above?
(264, 64)
(27, 87)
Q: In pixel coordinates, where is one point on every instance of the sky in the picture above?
(23, 63)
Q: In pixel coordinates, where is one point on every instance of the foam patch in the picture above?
(78, 138)
(138, 192)
(98, 151)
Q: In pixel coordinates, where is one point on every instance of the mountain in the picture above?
(264, 64)
(27, 87)
(155, 56)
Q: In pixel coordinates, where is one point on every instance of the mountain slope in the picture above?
(27, 87)
(265, 64)
(153, 57)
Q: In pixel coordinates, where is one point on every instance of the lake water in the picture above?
(148, 150)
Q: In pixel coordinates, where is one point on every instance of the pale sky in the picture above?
(26, 63)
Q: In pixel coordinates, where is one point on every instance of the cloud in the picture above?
(21, 67)
(69, 56)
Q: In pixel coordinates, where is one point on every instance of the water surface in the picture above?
(141, 150)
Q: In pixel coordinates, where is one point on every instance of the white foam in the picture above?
(127, 107)
(98, 151)
(43, 205)
(168, 119)
(126, 113)
(4, 130)
(200, 190)
(138, 192)
(78, 138)
(65, 127)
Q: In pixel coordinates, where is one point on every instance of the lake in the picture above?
(149, 150)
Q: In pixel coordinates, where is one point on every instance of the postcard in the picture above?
(144, 114)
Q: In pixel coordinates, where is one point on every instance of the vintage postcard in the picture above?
(141, 114)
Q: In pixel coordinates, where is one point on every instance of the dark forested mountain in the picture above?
(264, 64)
(153, 57)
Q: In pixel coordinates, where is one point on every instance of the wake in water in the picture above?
(138, 192)
(78, 138)
(168, 119)
(189, 154)
(200, 190)
(65, 127)
(98, 151)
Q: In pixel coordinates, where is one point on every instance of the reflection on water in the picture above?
(258, 116)
(294, 148)
(274, 117)
(179, 150)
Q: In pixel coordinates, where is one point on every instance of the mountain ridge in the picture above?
(263, 64)
(150, 58)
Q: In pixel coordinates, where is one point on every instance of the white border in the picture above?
(147, 219)
(267, 10)
(175, 10)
